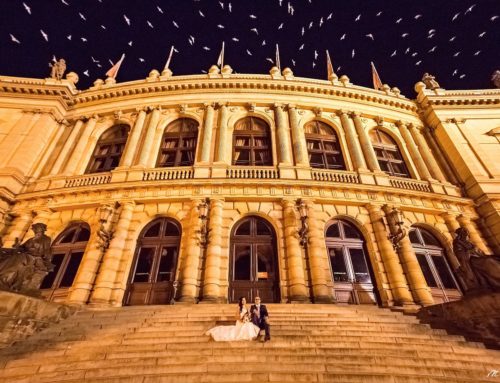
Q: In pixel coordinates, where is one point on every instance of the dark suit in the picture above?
(261, 319)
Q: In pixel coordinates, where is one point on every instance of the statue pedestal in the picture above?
(21, 315)
(476, 317)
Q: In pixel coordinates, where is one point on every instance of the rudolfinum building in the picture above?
(205, 188)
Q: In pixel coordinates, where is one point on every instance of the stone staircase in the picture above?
(310, 343)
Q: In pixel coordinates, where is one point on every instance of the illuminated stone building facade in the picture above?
(203, 188)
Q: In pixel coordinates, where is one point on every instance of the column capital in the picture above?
(354, 114)
(221, 104)
(251, 106)
(400, 124)
(291, 106)
(341, 112)
(278, 105)
(128, 204)
(209, 105)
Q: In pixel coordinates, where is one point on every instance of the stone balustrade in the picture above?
(253, 172)
(88, 180)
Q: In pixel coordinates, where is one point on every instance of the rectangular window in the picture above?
(426, 270)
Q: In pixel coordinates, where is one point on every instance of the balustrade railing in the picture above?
(335, 176)
(408, 184)
(183, 173)
(260, 173)
(88, 180)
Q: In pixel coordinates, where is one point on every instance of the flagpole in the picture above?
(278, 63)
(222, 61)
(167, 64)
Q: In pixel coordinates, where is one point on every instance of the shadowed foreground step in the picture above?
(310, 343)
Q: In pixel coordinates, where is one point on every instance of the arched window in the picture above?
(178, 145)
(432, 261)
(252, 143)
(352, 275)
(153, 271)
(67, 253)
(323, 146)
(388, 155)
(109, 149)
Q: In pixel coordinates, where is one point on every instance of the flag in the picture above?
(113, 72)
(278, 64)
(220, 60)
(329, 66)
(377, 82)
(167, 65)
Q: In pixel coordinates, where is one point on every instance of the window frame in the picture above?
(108, 158)
(252, 149)
(180, 137)
(324, 139)
(383, 153)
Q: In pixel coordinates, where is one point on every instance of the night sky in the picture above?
(458, 41)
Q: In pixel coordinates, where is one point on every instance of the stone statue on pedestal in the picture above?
(495, 78)
(430, 81)
(23, 267)
(58, 69)
(477, 270)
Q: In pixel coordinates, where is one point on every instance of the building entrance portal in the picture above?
(253, 262)
(155, 263)
(352, 276)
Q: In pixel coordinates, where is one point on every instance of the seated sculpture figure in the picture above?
(478, 271)
(23, 267)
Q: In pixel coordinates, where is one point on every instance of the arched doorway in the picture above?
(353, 279)
(432, 260)
(253, 264)
(67, 254)
(153, 270)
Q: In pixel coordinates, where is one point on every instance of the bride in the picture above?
(244, 329)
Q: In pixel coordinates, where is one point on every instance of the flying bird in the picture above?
(313, 64)
(482, 34)
(303, 31)
(358, 17)
(201, 13)
(68, 37)
(270, 60)
(394, 53)
(93, 59)
(281, 26)
(220, 26)
(417, 17)
(221, 4)
(103, 27)
(404, 35)
(378, 13)
(452, 38)
(45, 36)
(343, 36)
(311, 25)
(321, 22)
(431, 31)
(454, 72)
(315, 54)
(28, 9)
(462, 76)
(235, 39)
(249, 53)
(255, 30)
(353, 53)
(82, 16)
(293, 62)
(399, 20)
(141, 59)
(418, 62)
(477, 53)
(130, 43)
(64, 2)
(456, 54)
(470, 8)
(83, 39)
(301, 47)
(263, 43)
(329, 16)
(230, 7)
(86, 73)
(13, 38)
(206, 48)
(369, 35)
(455, 16)
(159, 9)
(149, 24)
(127, 20)
(175, 24)
(493, 18)
(253, 16)
(432, 49)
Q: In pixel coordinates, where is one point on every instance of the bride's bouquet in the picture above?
(245, 317)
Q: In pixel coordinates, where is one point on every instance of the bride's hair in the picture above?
(240, 303)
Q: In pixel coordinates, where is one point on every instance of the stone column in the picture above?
(133, 140)
(39, 168)
(318, 261)
(474, 235)
(397, 280)
(110, 266)
(415, 154)
(295, 264)
(77, 154)
(413, 271)
(426, 153)
(223, 134)
(191, 262)
(366, 144)
(207, 132)
(452, 224)
(352, 142)
(298, 138)
(211, 282)
(56, 168)
(450, 174)
(282, 134)
(20, 227)
(148, 140)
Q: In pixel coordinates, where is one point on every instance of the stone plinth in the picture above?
(476, 316)
(21, 316)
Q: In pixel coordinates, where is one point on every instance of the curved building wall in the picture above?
(49, 136)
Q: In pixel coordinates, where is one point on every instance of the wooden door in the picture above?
(352, 275)
(153, 273)
(253, 262)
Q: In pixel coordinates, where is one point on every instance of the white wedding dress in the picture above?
(242, 330)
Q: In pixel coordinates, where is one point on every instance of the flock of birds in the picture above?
(204, 11)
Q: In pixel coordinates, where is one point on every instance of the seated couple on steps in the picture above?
(248, 324)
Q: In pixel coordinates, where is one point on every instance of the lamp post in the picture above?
(396, 221)
(203, 209)
(304, 228)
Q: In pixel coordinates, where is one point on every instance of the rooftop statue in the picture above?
(495, 78)
(430, 81)
(58, 69)
(477, 270)
(23, 267)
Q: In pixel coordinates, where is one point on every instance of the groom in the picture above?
(260, 317)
